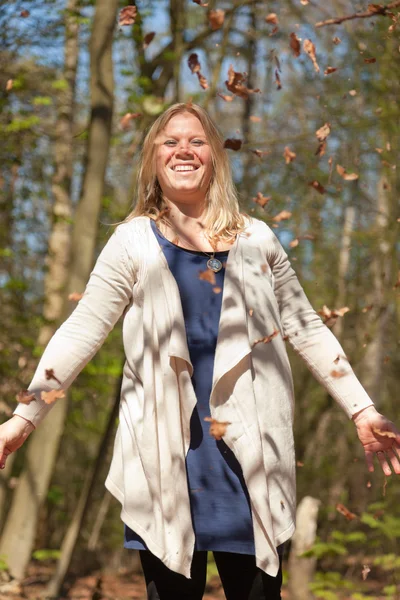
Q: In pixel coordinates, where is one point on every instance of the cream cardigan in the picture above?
(252, 382)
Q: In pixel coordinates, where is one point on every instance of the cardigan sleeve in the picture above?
(310, 338)
(106, 296)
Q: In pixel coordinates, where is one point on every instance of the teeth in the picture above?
(184, 168)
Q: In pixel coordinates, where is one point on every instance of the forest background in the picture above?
(312, 129)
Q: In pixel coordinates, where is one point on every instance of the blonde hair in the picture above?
(223, 219)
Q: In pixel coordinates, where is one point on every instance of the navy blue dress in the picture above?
(219, 499)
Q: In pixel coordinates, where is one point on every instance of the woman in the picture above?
(209, 298)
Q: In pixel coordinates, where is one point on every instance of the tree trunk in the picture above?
(75, 526)
(301, 570)
(43, 448)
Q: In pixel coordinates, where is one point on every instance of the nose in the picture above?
(183, 149)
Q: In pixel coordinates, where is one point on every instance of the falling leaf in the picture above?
(261, 200)
(323, 132)
(282, 216)
(277, 80)
(49, 374)
(24, 397)
(24, 13)
(309, 48)
(330, 70)
(148, 38)
(260, 153)
(235, 84)
(52, 396)
(299, 464)
(217, 290)
(251, 312)
(369, 60)
(255, 119)
(226, 97)
(194, 66)
(367, 308)
(336, 41)
(352, 93)
(266, 339)
(295, 44)
(125, 121)
(369, 484)
(217, 428)
(272, 18)
(346, 176)
(9, 85)
(200, 3)
(304, 2)
(345, 512)
(233, 144)
(294, 243)
(288, 155)
(208, 275)
(383, 433)
(75, 297)
(127, 15)
(216, 19)
(316, 185)
(366, 570)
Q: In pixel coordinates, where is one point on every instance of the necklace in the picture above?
(214, 264)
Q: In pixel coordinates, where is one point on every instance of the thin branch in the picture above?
(373, 10)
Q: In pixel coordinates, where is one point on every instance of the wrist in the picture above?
(364, 412)
(26, 420)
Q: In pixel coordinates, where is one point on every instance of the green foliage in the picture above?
(21, 124)
(46, 554)
(42, 101)
(3, 563)
(60, 85)
(324, 585)
(55, 495)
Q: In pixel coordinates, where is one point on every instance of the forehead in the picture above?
(183, 123)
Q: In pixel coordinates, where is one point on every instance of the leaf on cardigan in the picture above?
(52, 396)
(49, 374)
(208, 275)
(25, 397)
(217, 428)
(266, 339)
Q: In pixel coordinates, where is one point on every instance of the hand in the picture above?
(378, 436)
(13, 433)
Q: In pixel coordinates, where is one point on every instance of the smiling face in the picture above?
(183, 160)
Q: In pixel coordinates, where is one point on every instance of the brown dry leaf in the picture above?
(294, 243)
(337, 374)
(352, 93)
(148, 38)
(9, 85)
(75, 296)
(304, 2)
(330, 70)
(288, 155)
(345, 512)
(321, 149)
(208, 275)
(261, 200)
(200, 3)
(295, 44)
(251, 312)
(235, 84)
(272, 18)
(216, 18)
(194, 66)
(370, 61)
(278, 80)
(125, 121)
(127, 15)
(49, 374)
(336, 41)
(323, 132)
(266, 339)
(24, 397)
(299, 463)
(309, 48)
(217, 428)
(366, 570)
(52, 396)
(282, 216)
(318, 186)
(346, 176)
(255, 119)
(260, 153)
(226, 97)
(383, 433)
(265, 268)
(24, 13)
(233, 144)
(217, 290)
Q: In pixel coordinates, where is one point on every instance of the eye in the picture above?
(170, 143)
(198, 142)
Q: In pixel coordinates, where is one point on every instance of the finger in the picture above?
(369, 456)
(394, 461)
(384, 464)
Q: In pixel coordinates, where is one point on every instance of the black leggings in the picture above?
(240, 578)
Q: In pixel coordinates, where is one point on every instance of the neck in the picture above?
(182, 214)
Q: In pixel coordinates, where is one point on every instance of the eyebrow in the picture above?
(199, 135)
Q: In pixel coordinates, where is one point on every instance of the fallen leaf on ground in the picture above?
(24, 397)
(309, 48)
(217, 428)
(52, 396)
(233, 144)
(216, 18)
(345, 512)
(127, 15)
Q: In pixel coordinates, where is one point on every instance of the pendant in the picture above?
(214, 264)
